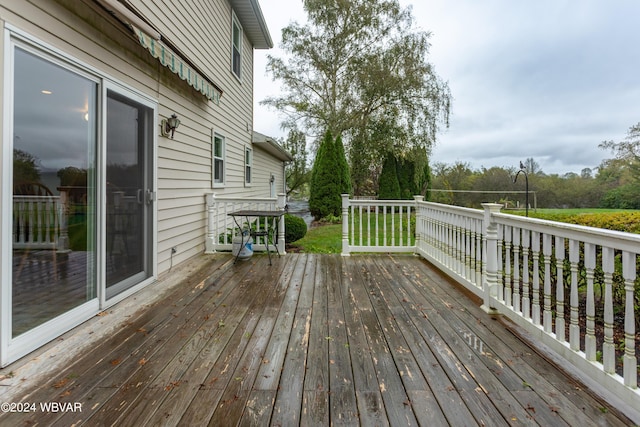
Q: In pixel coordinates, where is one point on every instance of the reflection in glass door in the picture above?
(129, 192)
(54, 191)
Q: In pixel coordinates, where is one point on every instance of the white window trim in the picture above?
(236, 22)
(248, 150)
(215, 184)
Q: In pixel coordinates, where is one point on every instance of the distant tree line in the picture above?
(615, 184)
(355, 77)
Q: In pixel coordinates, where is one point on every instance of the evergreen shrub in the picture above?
(294, 228)
(329, 178)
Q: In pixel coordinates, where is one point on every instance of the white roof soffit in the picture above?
(253, 23)
(270, 145)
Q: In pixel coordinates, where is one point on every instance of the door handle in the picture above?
(150, 196)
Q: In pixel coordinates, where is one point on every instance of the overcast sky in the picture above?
(547, 79)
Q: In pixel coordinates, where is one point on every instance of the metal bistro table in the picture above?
(268, 233)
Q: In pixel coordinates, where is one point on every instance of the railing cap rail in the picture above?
(475, 213)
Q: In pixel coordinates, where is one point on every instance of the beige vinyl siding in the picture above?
(263, 166)
(202, 32)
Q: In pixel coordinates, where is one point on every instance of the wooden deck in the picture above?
(313, 340)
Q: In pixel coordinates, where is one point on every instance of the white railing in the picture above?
(39, 222)
(574, 289)
(377, 225)
(222, 229)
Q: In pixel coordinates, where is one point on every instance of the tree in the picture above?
(623, 171)
(329, 178)
(358, 69)
(389, 185)
(586, 173)
(297, 171)
(532, 167)
(458, 176)
(629, 149)
(25, 167)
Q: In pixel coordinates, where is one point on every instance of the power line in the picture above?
(482, 191)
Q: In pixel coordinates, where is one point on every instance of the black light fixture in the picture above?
(169, 126)
(523, 170)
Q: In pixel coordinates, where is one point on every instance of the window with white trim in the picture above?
(236, 46)
(248, 163)
(218, 160)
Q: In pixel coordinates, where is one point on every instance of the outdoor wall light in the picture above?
(169, 126)
(523, 170)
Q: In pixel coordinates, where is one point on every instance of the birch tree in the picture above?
(359, 69)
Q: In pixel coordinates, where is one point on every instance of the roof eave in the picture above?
(253, 23)
(271, 146)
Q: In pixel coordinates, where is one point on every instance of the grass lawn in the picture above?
(327, 238)
(323, 239)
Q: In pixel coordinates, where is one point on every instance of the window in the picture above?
(236, 46)
(218, 160)
(248, 160)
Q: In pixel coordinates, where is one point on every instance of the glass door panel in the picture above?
(54, 191)
(129, 192)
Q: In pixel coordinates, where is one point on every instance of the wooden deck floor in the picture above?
(314, 340)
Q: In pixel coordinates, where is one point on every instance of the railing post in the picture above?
(280, 205)
(209, 241)
(62, 211)
(418, 227)
(345, 225)
(490, 283)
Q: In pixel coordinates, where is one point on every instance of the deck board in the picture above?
(315, 340)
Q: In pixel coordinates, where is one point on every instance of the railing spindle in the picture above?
(507, 267)
(560, 304)
(547, 315)
(516, 270)
(630, 364)
(574, 327)
(590, 337)
(526, 301)
(608, 347)
(535, 303)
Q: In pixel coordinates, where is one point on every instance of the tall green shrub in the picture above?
(389, 187)
(411, 176)
(329, 178)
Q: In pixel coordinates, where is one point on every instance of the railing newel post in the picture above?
(281, 203)
(418, 226)
(345, 225)
(209, 241)
(63, 222)
(490, 231)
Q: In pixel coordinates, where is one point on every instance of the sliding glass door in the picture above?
(129, 190)
(54, 190)
(80, 197)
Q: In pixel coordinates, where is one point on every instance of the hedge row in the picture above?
(620, 221)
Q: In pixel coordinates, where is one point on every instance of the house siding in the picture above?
(81, 30)
(184, 163)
